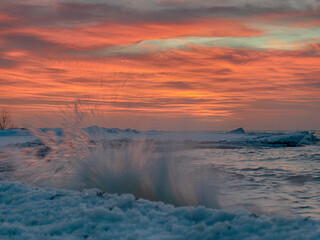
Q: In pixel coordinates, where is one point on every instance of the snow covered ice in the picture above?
(204, 185)
(44, 213)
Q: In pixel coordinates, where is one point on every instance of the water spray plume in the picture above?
(79, 160)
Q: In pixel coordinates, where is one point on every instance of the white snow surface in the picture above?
(28, 212)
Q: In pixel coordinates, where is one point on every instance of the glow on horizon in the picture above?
(165, 66)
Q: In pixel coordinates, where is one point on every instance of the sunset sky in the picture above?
(163, 64)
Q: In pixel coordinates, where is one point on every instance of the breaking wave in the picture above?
(73, 160)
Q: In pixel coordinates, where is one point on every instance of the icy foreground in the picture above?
(27, 212)
(265, 173)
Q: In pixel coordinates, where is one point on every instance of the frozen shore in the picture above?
(28, 212)
(199, 139)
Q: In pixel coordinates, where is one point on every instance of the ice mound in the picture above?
(290, 139)
(13, 136)
(34, 213)
(14, 132)
(236, 138)
(238, 130)
(101, 130)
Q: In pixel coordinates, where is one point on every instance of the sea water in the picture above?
(268, 180)
(262, 172)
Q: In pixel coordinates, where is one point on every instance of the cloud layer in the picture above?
(206, 64)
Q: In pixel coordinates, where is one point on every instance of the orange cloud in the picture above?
(308, 18)
(203, 82)
(44, 67)
(112, 33)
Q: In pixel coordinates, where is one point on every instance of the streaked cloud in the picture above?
(216, 63)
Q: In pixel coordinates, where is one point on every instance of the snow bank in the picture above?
(42, 213)
(236, 137)
(205, 139)
(96, 129)
(291, 139)
(13, 136)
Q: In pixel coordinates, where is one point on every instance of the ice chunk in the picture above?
(291, 139)
(238, 130)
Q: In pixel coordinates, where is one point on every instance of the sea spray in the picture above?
(129, 167)
(120, 169)
(77, 160)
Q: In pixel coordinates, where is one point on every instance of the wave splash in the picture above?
(75, 161)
